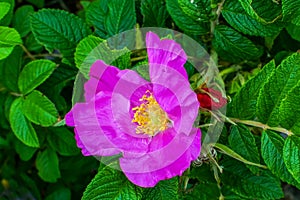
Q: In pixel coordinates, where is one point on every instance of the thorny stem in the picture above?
(216, 21)
(263, 126)
(27, 52)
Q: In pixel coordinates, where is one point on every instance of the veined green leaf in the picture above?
(95, 15)
(9, 38)
(110, 184)
(4, 8)
(21, 127)
(47, 165)
(63, 141)
(242, 142)
(294, 31)
(237, 17)
(291, 156)
(25, 152)
(34, 74)
(93, 48)
(11, 68)
(262, 15)
(291, 11)
(272, 153)
(289, 110)
(154, 13)
(198, 10)
(21, 20)
(5, 21)
(39, 109)
(243, 104)
(233, 46)
(121, 16)
(167, 189)
(241, 181)
(64, 29)
(284, 78)
(184, 22)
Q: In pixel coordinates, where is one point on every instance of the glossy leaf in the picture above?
(9, 38)
(47, 165)
(20, 125)
(233, 46)
(34, 74)
(39, 109)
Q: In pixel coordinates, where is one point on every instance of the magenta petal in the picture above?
(128, 85)
(165, 53)
(121, 140)
(174, 95)
(175, 168)
(88, 134)
(102, 78)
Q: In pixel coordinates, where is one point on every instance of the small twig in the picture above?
(263, 126)
(27, 52)
(46, 55)
(138, 58)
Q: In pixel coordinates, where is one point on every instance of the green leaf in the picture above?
(37, 3)
(294, 31)
(242, 182)
(4, 9)
(284, 78)
(9, 38)
(32, 45)
(198, 10)
(5, 21)
(243, 104)
(11, 68)
(233, 46)
(21, 20)
(62, 193)
(154, 13)
(204, 191)
(57, 29)
(110, 184)
(242, 142)
(184, 22)
(85, 49)
(25, 152)
(289, 110)
(238, 18)
(95, 15)
(121, 16)
(47, 165)
(261, 14)
(164, 190)
(272, 153)
(21, 127)
(291, 11)
(291, 156)
(92, 48)
(226, 150)
(39, 109)
(63, 141)
(34, 74)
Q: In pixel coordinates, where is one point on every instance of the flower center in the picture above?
(149, 116)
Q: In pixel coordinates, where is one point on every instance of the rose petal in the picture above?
(148, 178)
(102, 78)
(165, 53)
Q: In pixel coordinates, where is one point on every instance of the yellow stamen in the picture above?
(149, 116)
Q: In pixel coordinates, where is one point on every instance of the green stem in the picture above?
(27, 52)
(263, 126)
